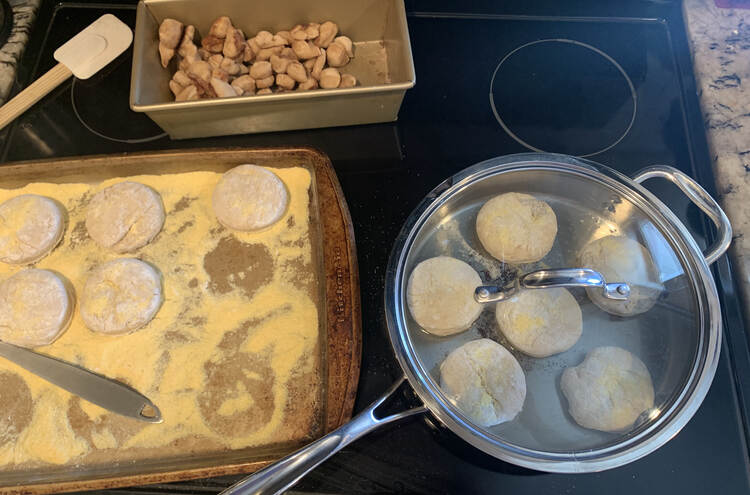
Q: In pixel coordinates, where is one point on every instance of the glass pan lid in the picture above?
(667, 337)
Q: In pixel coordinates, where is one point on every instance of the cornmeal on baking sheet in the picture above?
(232, 359)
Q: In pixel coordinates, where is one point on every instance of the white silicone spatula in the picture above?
(83, 55)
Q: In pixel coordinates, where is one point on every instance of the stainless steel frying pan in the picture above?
(678, 339)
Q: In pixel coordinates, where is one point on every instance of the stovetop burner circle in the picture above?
(101, 105)
(563, 96)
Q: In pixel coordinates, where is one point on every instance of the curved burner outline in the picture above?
(624, 74)
(105, 73)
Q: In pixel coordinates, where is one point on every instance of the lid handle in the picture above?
(545, 279)
(701, 199)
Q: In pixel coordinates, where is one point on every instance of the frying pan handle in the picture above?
(701, 199)
(283, 474)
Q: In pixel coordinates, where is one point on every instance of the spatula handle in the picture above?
(33, 93)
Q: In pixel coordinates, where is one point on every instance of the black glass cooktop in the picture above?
(611, 83)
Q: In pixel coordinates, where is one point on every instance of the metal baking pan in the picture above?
(333, 244)
(382, 64)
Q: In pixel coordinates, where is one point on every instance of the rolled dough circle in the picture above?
(485, 381)
(540, 322)
(516, 228)
(30, 227)
(120, 296)
(35, 308)
(125, 216)
(440, 295)
(608, 390)
(249, 197)
(621, 259)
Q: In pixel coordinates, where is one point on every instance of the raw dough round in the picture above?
(621, 259)
(30, 226)
(125, 216)
(249, 197)
(35, 308)
(608, 390)
(440, 295)
(540, 322)
(516, 228)
(485, 381)
(121, 296)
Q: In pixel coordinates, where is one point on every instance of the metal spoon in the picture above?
(100, 390)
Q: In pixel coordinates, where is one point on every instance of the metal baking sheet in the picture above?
(336, 286)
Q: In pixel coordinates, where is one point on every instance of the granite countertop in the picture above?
(24, 13)
(720, 43)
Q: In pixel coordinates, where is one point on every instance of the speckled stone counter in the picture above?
(720, 42)
(24, 13)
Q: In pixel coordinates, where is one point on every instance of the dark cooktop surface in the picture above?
(616, 88)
